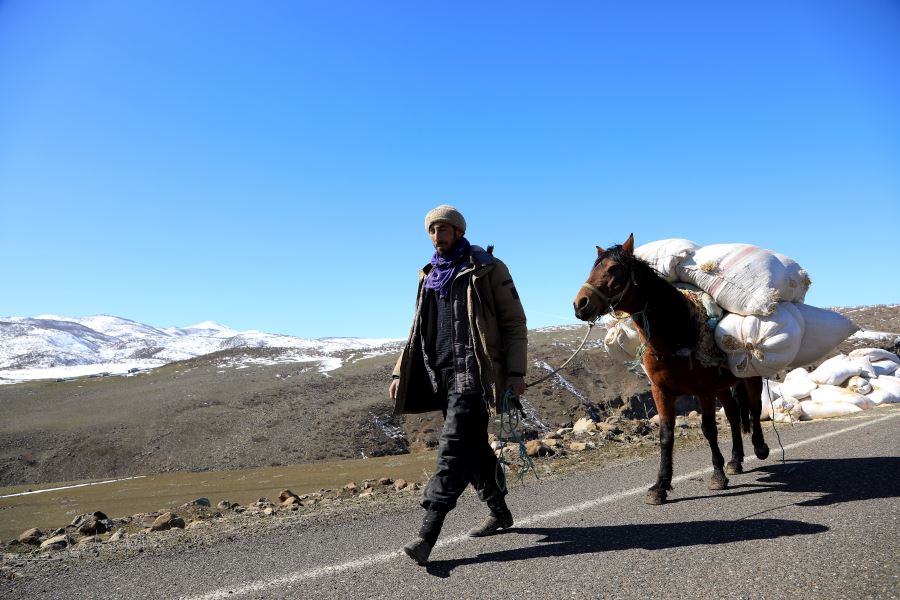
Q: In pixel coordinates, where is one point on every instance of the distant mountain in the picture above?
(51, 346)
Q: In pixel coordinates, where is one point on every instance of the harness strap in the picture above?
(610, 302)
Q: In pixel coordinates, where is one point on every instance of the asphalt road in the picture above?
(824, 524)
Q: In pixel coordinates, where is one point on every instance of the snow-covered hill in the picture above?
(52, 346)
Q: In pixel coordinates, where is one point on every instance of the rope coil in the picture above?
(510, 412)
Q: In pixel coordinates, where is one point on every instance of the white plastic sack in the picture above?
(798, 373)
(771, 391)
(622, 339)
(766, 414)
(665, 255)
(884, 367)
(798, 387)
(757, 345)
(858, 384)
(893, 378)
(825, 410)
(875, 354)
(836, 370)
(786, 410)
(888, 384)
(745, 279)
(832, 393)
(823, 331)
(883, 397)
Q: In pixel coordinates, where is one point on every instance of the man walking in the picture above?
(467, 344)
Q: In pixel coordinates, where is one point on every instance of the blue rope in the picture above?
(510, 417)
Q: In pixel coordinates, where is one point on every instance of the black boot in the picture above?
(500, 518)
(420, 548)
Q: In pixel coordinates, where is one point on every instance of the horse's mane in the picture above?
(640, 268)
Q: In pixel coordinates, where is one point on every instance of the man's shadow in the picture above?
(825, 481)
(570, 541)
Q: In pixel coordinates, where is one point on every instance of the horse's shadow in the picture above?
(570, 541)
(826, 480)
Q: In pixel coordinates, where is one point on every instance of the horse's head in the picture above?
(608, 282)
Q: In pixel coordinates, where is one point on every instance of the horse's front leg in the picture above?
(752, 388)
(665, 408)
(718, 481)
(735, 465)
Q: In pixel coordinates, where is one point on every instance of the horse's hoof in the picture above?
(718, 482)
(734, 468)
(762, 452)
(655, 497)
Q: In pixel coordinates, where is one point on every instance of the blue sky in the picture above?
(268, 165)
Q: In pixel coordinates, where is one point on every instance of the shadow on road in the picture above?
(829, 480)
(569, 541)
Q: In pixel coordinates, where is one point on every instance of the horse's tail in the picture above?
(743, 401)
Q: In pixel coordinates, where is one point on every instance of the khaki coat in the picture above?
(496, 323)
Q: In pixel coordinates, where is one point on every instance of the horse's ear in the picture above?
(599, 250)
(628, 246)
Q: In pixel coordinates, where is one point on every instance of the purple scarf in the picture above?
(445, 268)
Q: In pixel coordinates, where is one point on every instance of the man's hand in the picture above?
(517, 384)
(392, 390)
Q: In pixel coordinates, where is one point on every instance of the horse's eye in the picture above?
(615, 268)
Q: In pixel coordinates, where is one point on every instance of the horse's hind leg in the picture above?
(718, 481)
(734, 466)
(665, 408)
(752, 387)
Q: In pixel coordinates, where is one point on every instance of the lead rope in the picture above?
(772, 411)
(562, 366)
(511, 414)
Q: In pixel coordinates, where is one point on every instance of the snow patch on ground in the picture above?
(877, 336)
(562, 380)
(58, 347)
(21, 375)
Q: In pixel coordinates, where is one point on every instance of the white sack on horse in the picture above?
(825, 410)
(713, 310)
(859, 384)
(838, 369)
(622, 339)
(664, 256)
(745, 279)
(798, 387)
(832, 393)
(756, 345)
(823, 331)
(875, 354)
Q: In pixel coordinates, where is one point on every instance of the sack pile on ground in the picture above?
(842, 385)
(766, 327)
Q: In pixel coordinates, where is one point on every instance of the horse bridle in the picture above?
(611, 301)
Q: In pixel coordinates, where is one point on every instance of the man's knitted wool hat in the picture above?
(445, 213)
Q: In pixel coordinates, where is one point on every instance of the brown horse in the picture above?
(663, 315)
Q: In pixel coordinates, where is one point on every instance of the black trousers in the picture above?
(464, 455)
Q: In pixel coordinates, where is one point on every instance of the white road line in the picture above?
(68, 487)
(293, 578)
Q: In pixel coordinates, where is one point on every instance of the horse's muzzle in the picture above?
(583, 309)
